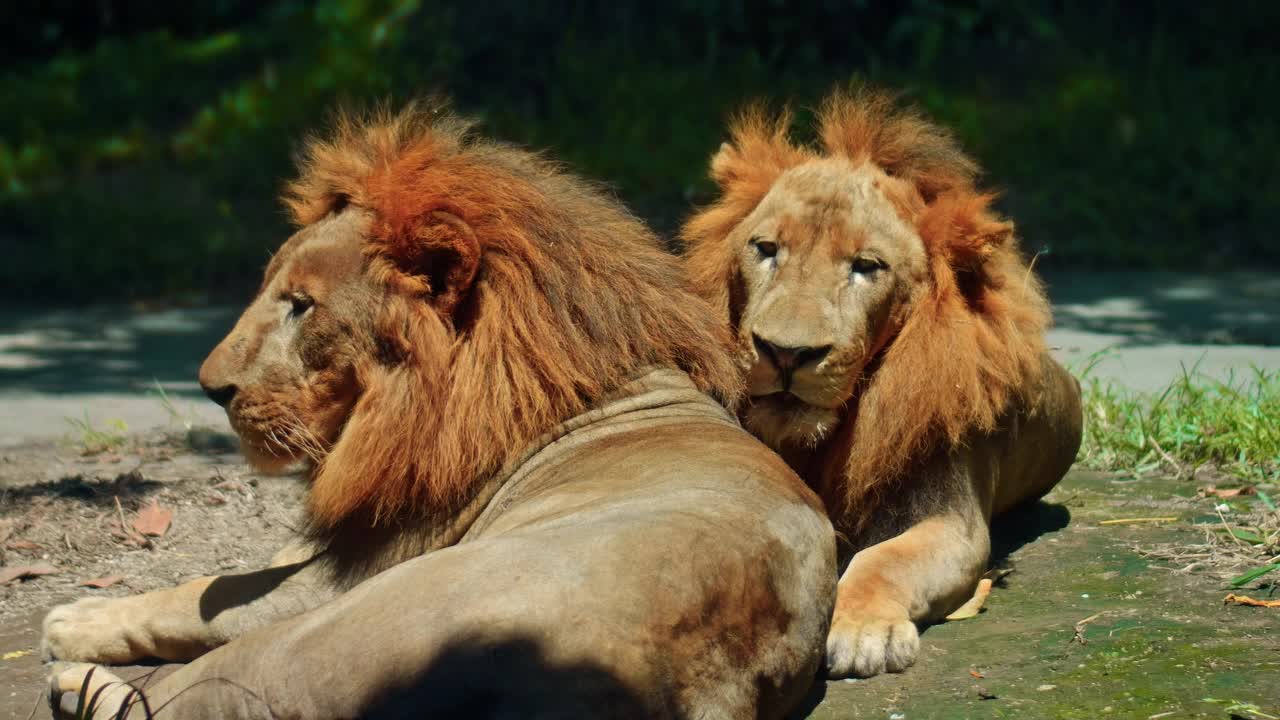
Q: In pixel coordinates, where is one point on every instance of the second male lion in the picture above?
(894, 342)
(523, 499)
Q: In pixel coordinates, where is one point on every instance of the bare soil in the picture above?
(58, 506)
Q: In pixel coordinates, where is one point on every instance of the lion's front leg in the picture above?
(184, 622)
(165, 624)
(920, 575)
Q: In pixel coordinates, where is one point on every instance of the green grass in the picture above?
(176, 416)
(1195, 421)
(93, 440)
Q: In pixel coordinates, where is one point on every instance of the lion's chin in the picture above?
(784, 420)
(274, 461)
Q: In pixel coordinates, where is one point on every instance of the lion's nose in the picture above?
(220, 394)
(788, 359)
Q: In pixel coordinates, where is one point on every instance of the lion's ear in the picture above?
(979, 239)
(965, 229)
(444, 252)
(726, 165)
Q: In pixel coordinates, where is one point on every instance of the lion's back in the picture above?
(695, 539)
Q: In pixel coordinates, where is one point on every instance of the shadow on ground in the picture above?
(1152, 308)
(96, 493)
(1023, 526)
(107, 348)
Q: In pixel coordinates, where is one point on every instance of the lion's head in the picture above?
(445, 302)
(881, 308)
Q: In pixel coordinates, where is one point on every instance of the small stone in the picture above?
(211, 441)
(1084, 595)
(1046, 688)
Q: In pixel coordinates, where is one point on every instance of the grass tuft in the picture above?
(93, 440)
(1196, 421)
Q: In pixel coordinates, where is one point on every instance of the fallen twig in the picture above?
(1079, 629)
(127, 530)
(1223, 518)
(1136, 521)
(120, 512)
(1178, 468)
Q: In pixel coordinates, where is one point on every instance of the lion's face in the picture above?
(286, 373)
(828, 265)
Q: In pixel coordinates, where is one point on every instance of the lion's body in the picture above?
(593, 540)
(894, 341)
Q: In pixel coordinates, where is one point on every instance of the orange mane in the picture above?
(570, 297)
(971, 342)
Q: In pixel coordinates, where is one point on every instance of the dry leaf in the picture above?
(153, 520)
(23, 545)
(1233, 599)
(976, 675)
(1212, 491)
(15, 572)
(971, 608)
(102, 582)
(15, 654)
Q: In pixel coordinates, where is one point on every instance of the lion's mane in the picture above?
(570, 297)
(971, 342)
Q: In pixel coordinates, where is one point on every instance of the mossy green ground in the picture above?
(1161, 641)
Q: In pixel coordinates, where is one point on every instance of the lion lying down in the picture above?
(523, 501)
(894, 340)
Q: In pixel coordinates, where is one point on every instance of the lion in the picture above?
(893, 339)
(525, 496)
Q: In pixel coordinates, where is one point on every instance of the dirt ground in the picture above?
(1156, 641)
(59, 507)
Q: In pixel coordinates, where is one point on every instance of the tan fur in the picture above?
(873, 264)
(497, 385)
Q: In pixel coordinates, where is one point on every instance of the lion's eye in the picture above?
(766, 248)
(863, 265)
(299, 304)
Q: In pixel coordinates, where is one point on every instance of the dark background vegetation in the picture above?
(142, 144)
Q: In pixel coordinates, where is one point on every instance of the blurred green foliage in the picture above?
(142, 145)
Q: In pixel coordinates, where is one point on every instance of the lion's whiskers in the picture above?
(304, 438)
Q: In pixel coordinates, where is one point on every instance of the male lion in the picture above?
(522, 499)
(895, 343)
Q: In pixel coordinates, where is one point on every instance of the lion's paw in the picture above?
(79, 691)
(869, 642)
(92, 630)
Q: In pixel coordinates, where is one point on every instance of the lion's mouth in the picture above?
(782, 400)
(277, 450)
(786, 419)
(790, 401)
